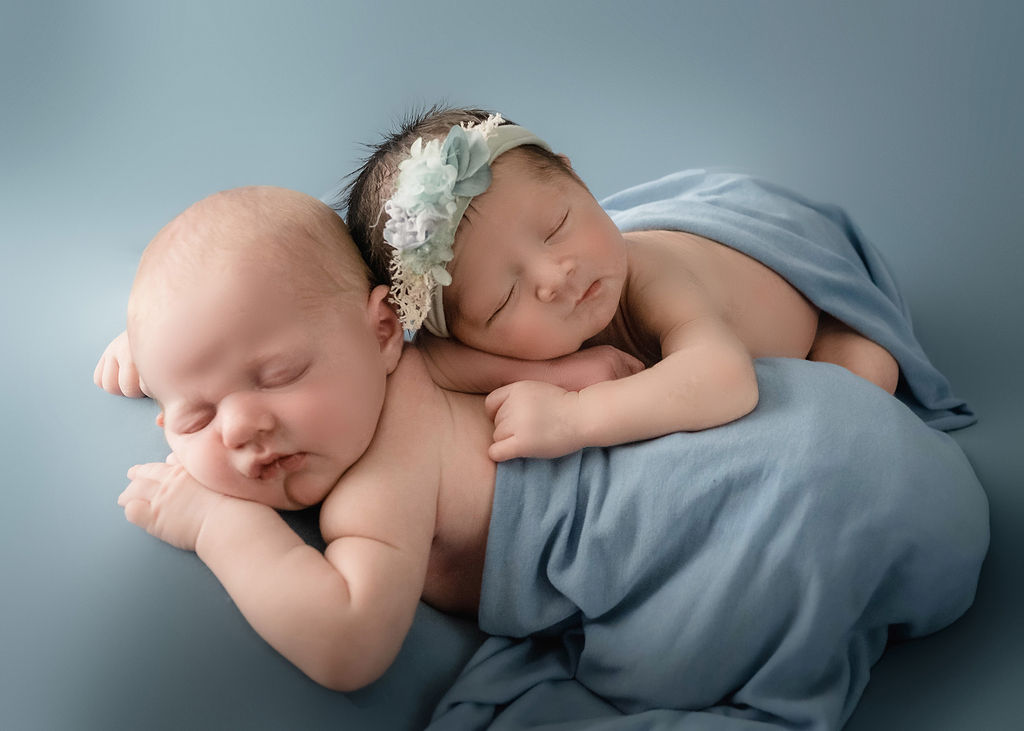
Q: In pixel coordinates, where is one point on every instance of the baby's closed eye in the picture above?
(504, 303)
(561, 223)
(192, 421)
(282, 375)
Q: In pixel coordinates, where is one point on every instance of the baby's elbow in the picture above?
(750, 393)
(347, 677)
(341, 684)
(750, 399)
(343, 662)
(740, 382)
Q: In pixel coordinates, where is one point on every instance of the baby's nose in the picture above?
(242, 418)
(552, 279)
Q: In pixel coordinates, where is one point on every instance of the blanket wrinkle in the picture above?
(755, 577)
(745, 577)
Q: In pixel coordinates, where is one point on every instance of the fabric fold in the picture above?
(743, 577)
(815, 247)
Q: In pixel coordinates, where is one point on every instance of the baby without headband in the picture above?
(435, 184)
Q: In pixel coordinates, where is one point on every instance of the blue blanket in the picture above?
(744, 577)
(813, 246)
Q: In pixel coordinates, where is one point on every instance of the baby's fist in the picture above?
(533, 419)
(115, 372)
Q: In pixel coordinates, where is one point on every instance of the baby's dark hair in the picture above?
(363, 197)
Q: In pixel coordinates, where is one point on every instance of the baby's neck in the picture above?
(623, 333)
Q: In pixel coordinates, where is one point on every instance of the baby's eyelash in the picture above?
(283, 377)
(501, 306)
(559, 226)
(197, 423)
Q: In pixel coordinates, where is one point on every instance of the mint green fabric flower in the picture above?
(434, 185)
(467, 151)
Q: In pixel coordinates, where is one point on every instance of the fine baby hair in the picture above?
(405, 203)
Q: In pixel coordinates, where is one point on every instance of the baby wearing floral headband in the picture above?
(494, 245)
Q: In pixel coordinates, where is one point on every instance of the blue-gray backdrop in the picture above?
(114, 116)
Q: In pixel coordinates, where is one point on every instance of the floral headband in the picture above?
(435, 184)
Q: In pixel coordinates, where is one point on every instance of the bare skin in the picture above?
(769, 316)
(273, 399)
(540, 271)
(282, 385)
(453, 432)
(408, 521)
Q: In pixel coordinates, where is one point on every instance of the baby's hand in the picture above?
(576, 371)
(115, 373)
(167, 502)
(533, 419)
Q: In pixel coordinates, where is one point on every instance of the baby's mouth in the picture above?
(268, 469)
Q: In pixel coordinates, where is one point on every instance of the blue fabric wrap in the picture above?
(815, 247)
(743, 577)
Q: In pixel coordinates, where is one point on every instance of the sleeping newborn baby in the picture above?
(751, 572)
(494, 244)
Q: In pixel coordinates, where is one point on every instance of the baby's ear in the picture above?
(160, 420)
(385, 325)
(565, 159)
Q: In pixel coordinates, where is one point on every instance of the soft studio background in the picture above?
(114, 116)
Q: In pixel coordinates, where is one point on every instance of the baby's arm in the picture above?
(705, 378)
(115, 372)
(457, 367)
(340, 617)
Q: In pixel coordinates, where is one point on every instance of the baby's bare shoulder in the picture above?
(688, 276)
(668, 280)
(671, 255)
(391, 493)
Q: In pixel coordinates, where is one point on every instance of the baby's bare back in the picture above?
(464, 503)
(766, 313)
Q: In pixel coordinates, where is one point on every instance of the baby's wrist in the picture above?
(586, 416)
(216, 523)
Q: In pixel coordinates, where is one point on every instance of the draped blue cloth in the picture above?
(743, 577)
(748, 576)
(816, 247)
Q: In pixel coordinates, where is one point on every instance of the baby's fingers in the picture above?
(139, 512)
(105, 375)
(505, 449)
(97, 373)
(128, 381)
(503, 429)
(149, 471)
(495, 399)
(136, 490)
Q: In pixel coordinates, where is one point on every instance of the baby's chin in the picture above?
(298, 492)
(305, 490)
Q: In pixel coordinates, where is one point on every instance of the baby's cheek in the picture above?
(200, 460)
(541, 337)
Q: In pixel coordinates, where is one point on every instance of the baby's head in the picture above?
(487, 236)
(254, 325)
